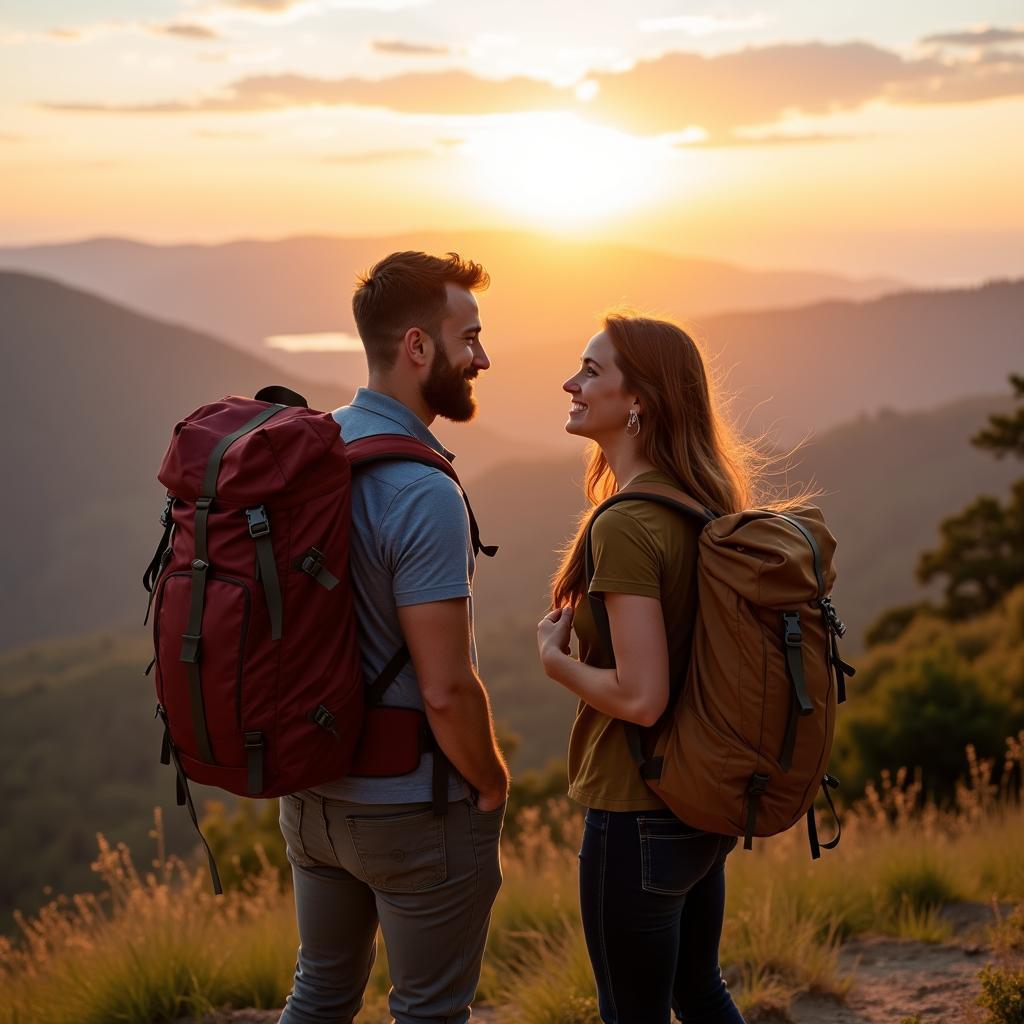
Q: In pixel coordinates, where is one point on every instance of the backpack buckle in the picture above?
(312, 561)
(323, 718)
(837, 624)
(259, 522)
(758, 783)
(793, 635)
(165, 516)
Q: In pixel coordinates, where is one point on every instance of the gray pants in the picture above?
(428, 881)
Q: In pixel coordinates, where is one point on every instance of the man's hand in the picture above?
(491, 801)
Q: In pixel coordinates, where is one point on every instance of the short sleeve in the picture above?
(425, 542)
(626, 558)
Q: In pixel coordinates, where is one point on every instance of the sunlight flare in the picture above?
(560, 169)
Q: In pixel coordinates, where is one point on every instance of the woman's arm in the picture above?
(637, 689)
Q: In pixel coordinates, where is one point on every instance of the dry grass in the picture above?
(156, 946)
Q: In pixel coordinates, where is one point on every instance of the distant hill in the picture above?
(78, 744)
(886, 480)
(803, 351)
(91, 394)
(802, 371)
(79, 753)
(94, 389)
(542, 287)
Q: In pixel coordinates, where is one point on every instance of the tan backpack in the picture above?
(743, 748)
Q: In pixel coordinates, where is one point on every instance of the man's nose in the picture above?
(480, 360)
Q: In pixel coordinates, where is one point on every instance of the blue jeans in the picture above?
(652, 894)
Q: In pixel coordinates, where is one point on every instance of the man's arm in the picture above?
(438, 636)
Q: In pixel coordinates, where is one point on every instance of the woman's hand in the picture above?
(553, 635)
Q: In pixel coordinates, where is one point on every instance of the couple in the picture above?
(370, 851)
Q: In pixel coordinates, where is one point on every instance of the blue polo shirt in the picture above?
(410, 545)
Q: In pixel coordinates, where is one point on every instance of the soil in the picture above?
(898, 978)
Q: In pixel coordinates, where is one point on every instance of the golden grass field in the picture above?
(155, 945)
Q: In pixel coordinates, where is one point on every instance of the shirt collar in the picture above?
(391, 409)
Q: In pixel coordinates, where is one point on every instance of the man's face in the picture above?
(458, 358)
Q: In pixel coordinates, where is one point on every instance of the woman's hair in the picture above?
(683, 433)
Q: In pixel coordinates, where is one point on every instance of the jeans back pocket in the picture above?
(400, 852)
(674, 856)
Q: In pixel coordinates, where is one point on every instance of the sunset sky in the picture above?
(875, 137)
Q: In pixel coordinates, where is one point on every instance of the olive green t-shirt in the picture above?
(640, 547)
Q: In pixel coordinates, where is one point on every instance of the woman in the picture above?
(652, 889)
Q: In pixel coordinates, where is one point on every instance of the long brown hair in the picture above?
(684, 433)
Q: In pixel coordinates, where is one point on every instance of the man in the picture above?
(369, 851)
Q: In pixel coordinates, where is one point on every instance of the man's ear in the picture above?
(418, 346)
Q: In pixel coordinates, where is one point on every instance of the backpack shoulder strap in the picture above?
(403, 448)
(661, 494)
(397, 448)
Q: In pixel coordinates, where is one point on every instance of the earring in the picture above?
(632, 424)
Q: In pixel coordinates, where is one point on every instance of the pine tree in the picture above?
(981, 553)
(981, 549)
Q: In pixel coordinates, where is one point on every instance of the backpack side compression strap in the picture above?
(670, 497)
(190, 639)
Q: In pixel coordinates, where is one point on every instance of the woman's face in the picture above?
(599, 404)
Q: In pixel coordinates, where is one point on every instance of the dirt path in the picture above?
(894, 979)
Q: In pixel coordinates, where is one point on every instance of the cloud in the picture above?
(720, 93)
(263, 6)
(703, 24)
(446, 92)
(183, 30)
(291, 9)
(977, 37)
(379, 156)
(771, 139)
(396, 46)
(101, 30)
(228, 135)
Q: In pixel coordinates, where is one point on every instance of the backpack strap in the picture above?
(829, 782)
(403, 448)
(679, 501)
(169, 754)
(191, 638)
(163, 555)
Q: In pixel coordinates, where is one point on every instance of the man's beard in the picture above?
(447, 391)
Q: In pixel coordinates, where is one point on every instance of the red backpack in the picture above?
(259, 679)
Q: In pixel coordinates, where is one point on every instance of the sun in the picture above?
(562, 170)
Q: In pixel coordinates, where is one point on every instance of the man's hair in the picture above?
(404, 290)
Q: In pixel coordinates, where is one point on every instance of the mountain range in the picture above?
(802, 352)
(94, 390)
